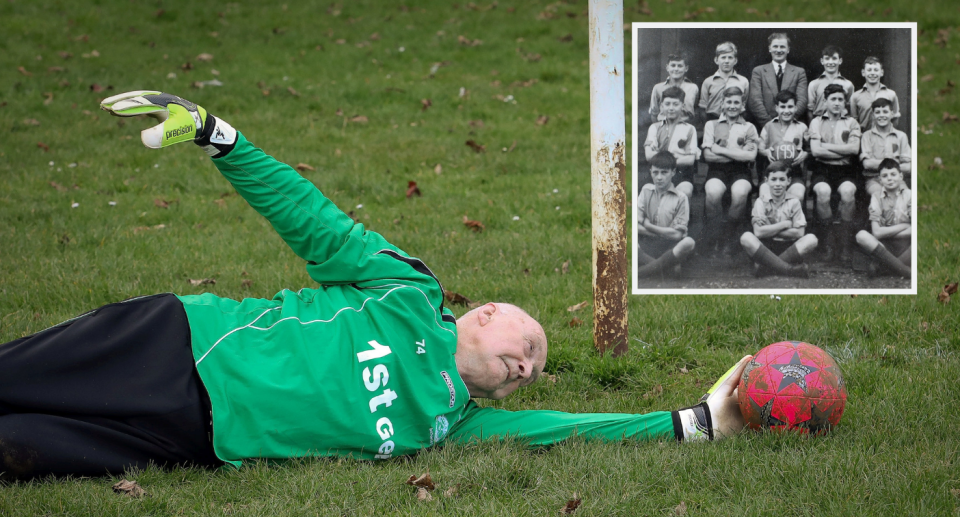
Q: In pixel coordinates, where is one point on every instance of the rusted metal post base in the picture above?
(608, 176)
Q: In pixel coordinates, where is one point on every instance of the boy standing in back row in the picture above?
(861, 103)
(831, 60)
(677, 69)
(711, 93)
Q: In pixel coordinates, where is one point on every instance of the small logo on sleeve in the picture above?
(453, 391)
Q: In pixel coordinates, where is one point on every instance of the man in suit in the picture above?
(769, 79)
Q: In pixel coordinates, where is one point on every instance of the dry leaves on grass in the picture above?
(163, 203)
(564, 268)
(425, 103)
(48, 99)
(575, 322)
(476, 147)
(565, 39)
(571, 505)
(303, 167)
(360, 119)
(438, 169)
(129, 488)
(31, 122)
(947, 118)
(45, 147)
(24, 71)
(948, 289)
(542, 120)
(139, 229)
(413, 189)
(423, 481)
(680, 509)
(58, 186)
(467, 42)
(202, 281)
(476, 226)
(205, 57)
(456, 299)
(577, 307)
(293, 92)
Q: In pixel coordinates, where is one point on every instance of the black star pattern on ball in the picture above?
(794, 372)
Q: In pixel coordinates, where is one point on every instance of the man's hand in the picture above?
(718, 413)
(180, 121)
(723, 403)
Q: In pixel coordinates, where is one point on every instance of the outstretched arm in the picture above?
(716, 417)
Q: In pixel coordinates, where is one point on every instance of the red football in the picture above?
(792, 385)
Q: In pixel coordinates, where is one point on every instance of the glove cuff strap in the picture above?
(217, 138)
(693, 424)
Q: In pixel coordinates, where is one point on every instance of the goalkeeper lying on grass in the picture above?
(369, 365)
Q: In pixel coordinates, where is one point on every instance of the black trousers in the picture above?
(112, 389)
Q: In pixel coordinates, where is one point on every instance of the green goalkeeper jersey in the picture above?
(361, 366)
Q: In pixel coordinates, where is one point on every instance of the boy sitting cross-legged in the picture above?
(889, 238)
(729, 146)
(777, 243)
(662, 216)
(675, 136)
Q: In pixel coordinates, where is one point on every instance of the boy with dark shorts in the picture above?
(834, 141)
(784, 138)
(880, 142)
(662, 216)
(729, 146)
(677, 69)
(677, 137)
(777, 243)
(890, 212)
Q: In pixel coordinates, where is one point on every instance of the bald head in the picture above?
(499, 348)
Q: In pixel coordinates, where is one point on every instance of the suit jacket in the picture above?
(763, 88)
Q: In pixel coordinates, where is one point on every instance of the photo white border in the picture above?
(912, 290)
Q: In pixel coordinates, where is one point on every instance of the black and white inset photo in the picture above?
(774, 158)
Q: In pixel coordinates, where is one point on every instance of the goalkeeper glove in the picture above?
(717, 414)
(180, 121)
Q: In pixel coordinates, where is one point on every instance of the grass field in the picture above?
(296, 78)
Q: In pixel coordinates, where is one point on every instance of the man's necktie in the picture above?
(779, 77)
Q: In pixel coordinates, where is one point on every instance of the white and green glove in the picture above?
(180, 121)
(718, 413)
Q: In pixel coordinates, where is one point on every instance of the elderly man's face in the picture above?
(499, 349)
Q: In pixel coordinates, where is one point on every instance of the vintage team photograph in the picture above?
(774, 158)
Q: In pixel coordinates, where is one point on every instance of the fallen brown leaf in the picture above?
(339, 112)
(469, 42)
(202, 281)
(205, 57)
(375, 36)
(186, 67)
(293, 92)
(64, 54)
(413, 189)
(246, 283)
(130, 488)
(24, 71)
(96, 88)
(31, 122)
(360, 119)
(56, 69)
(303, 167)
(424, 495)
(565, 39)
(552, 378)
(684, 370)
(575, 322)
(426, 103)
(452, 491)
(655, 392)
(476, 226)
(512, 146)
(475, 123)
(571, 505)
(83, 37)
(265, 92)
(542, 120)
(424, 481)
(49, 98)
(438, 169)
(947, 117)
(927, 78)
(924, 325)
(948, 289)
(58, 186)
(680, 509)
(476, 147)
(159, 203)
(526, 271)
(456, 298)
(565, 268)
(45, 147)
(577, 307)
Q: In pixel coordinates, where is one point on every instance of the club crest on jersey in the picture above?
(440, 429)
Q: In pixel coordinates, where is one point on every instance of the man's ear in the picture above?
(485, 313)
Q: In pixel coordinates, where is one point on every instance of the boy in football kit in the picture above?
(711, 93)
(880, 142)
(677, 69)
(729, 146)
(678, 138)
(784, 138)
(777, 243)
(861, 102)
(888, 240)
(367, 365)
(834, 142)
(662, 216)
(832, 58)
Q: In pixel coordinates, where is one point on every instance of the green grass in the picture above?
(896, 452)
